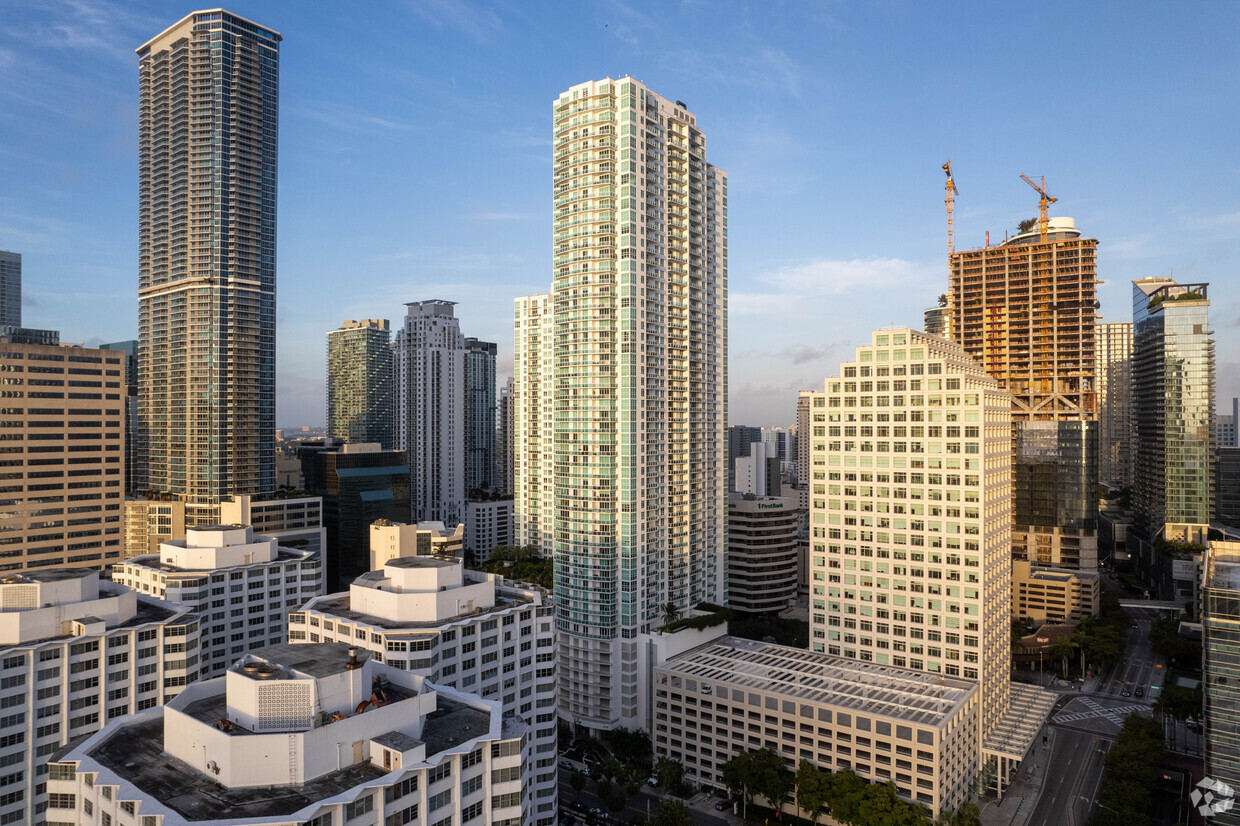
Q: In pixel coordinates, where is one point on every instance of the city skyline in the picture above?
(72, 163)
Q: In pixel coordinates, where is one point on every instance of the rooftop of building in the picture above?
(153, 562)
(1062, 575)
(49, 575)
(415, 562)
(135, 753)
(149, 611)
(338, 605)
(319, 660)
(882, 690)
(1028, 708)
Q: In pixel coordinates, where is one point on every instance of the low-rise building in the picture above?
(391, 540)
(78, 651)
(460, 629)
(487, 525)
(242, 584)
(307, 734)
(1053, 594)
(762, 552)
(293, 521)
(152, 519)
(915, 729)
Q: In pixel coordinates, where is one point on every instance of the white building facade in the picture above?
(631, 469)
(241, 584)
(910, 523)
(487, 524)
(429, 361)
(76, 652)
(460, 629)
(320, 735)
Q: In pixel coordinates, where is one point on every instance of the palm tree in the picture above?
(671, 613)
(1063, 648)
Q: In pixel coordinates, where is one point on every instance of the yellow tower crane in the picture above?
(1047, 200)
(952, 192)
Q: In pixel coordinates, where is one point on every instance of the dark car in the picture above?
(579, 806)
(723, 805)
(1127, 692)
(1140, 692)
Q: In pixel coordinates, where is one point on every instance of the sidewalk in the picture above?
(1021, 798)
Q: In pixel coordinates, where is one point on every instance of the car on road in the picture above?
(579, 806)
(1140, 692)
(723, 805)
(652, 781)
(1127, 692)
(564, 764)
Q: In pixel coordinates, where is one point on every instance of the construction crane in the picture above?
(952, 192)
(1047, 200)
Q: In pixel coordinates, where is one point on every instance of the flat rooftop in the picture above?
(153, 562)
(418, 562)
(148, 612)
(338, 605)
(795, 673)
(318, 660)
(452, 724)
(52, 575)
(136, 754)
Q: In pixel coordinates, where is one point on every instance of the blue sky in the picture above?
(415, 158)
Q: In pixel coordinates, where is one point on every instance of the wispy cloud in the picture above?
(476, 23)
(349, 118)
(803, 353)
(799, 284)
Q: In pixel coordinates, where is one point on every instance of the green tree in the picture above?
(848, 793)
(671, 813)
(773, 780)
(1063, 648)
(577, 780)
(671, 613)
(737, 775)
(813, 788)
(669, 773)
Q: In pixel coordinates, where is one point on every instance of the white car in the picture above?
(652, 781)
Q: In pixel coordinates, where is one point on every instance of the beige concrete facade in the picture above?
(1053, 594)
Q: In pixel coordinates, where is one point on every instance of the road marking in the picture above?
(1096, 711)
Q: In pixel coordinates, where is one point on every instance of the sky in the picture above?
(415, 158)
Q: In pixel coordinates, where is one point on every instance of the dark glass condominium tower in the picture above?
(208, 126)
(360, 393)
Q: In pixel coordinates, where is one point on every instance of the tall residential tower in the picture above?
(1115, 403)
(10, 288)
(1026, 310)
(359, 383)
(208, 126)
(480, 416)
(631, 467)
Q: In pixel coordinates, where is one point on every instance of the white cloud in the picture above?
(789, 289)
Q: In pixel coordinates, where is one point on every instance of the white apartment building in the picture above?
(393, 540)
(487, 524)
(241, 584)
(623, 442)
(460, 629)
(317, 735)
(912, 728)
(429, 363)
(910, 525)
(293, 521)
(76, 652)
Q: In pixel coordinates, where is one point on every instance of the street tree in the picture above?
(671, 813)
(813, 789)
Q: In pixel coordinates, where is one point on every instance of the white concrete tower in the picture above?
(638, 383)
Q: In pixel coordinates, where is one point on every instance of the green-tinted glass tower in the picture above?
(359, 383)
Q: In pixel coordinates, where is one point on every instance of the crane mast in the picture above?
(1047, 200)
(952, 192)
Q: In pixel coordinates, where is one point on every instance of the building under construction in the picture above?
(1026, 310)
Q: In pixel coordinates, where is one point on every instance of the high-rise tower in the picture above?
(359, 383)
(632, 469)
(1026, 310)
(429, 364)
(208, 126)
(10, 288)
(1173, 409)
(480, 415)
(1115, 403)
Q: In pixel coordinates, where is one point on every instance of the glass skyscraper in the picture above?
(1173, 408)
(10, 288)
(480, 416)
(1220, 632)
(208, 127)
(360, 383)
(627, 443)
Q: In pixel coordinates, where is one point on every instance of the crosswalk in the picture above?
(1113, 714)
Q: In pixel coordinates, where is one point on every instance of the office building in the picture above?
(241, 584)
(306, 734)
(740, 436)
(1220, 637)
(10, 288)
(762, 552)
(938, 321)
(805, 432)
(1173, 409)
(359, 484)
(479, 416)
(1225, 426)
(504, 446)
(152, 520)
(397, 540)
(293, 521)
(135, 441)
(911, 524)
(1227, 486)
(1041, 595)
(533, 406)
(208, 126)
(785, 441)
(360, 391)
(887, 725)
(1026, 310)
(1115, 404)
(64, 434)
(77, 652)
(632, 467)
(487, 525)
(758, 472)
(429, 360)
(462, 630)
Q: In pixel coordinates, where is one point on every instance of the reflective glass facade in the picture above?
(1220, 627)
(360, 382)
(1173, 401)
(480, 415)
(208, 128)
(1115, 403)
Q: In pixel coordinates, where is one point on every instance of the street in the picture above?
(644, 804)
